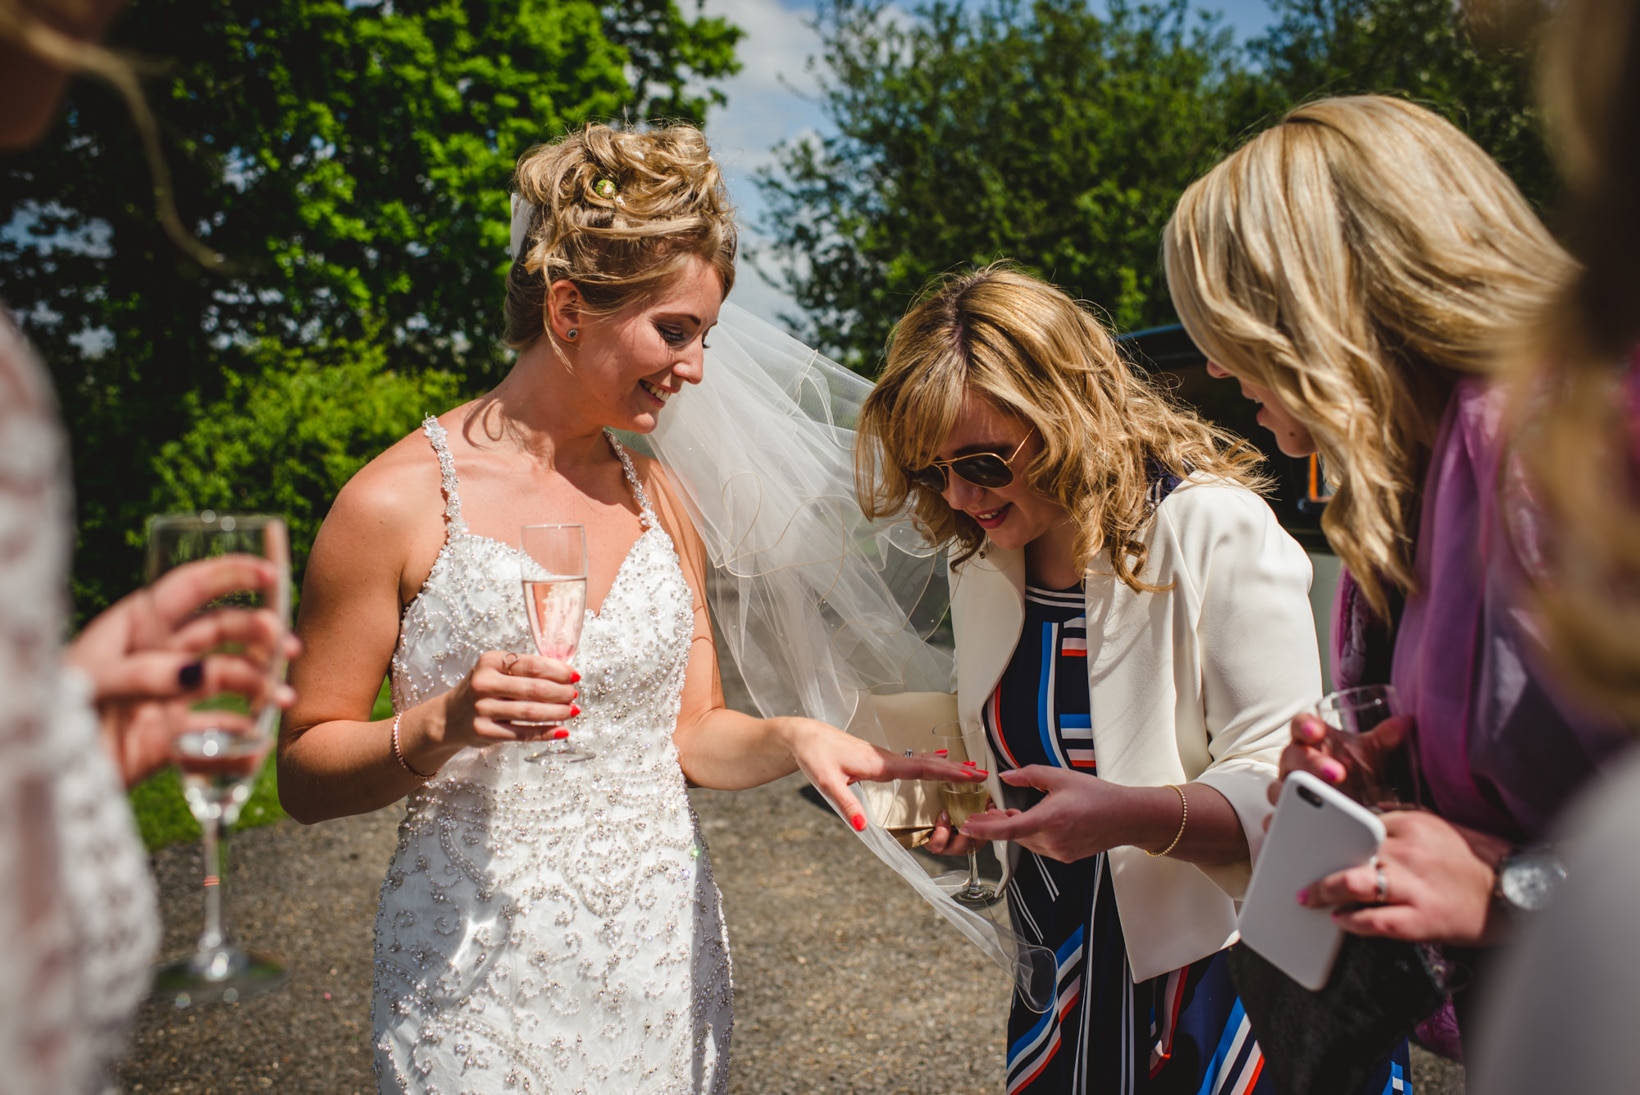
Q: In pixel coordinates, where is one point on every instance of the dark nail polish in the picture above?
(191, 675)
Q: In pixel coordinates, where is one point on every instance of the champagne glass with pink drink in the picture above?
(553, 568)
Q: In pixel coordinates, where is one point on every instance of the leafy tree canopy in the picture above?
(349, 160)
(1045, 134)
(1060, 138)
(1477, 74)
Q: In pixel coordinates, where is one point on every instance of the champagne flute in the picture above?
(553, 568)
(226, 737)
(962, 800)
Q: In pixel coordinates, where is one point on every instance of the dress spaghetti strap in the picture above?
(647, 513)
(439, 437)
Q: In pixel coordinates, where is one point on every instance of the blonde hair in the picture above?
(619, 214)
(1356, 259)
(20, 25)
(1579, 439)
(1039, 356)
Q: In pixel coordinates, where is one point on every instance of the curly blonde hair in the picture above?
(1356, 259)
(1041, 357)
(619, 214)
(1579, 421)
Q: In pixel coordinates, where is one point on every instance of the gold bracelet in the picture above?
(1184, 816)
(398, 753)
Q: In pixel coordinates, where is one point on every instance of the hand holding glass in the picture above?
(1373, 776)
(553, 568)
(961, 801)
(225, 736)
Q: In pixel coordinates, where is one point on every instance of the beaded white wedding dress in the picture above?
(548, 926)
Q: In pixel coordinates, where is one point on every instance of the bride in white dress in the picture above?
(550, 926)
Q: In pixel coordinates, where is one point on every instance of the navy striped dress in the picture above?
(1183, 1032)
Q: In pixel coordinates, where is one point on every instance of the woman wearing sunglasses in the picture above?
(1133, 632)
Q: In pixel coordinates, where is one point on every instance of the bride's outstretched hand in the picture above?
(833, 759)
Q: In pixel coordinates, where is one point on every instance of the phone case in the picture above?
(1316, 830)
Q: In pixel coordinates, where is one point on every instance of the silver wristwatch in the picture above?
(1528, 878)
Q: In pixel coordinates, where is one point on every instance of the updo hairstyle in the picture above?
(619, 214)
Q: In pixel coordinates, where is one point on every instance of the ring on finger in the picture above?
(1381, 885)
(508, 662)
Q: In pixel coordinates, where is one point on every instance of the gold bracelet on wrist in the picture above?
(1184, 816)
(398, 752)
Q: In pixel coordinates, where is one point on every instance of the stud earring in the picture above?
(571, 333)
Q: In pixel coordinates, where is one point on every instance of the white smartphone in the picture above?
(1316, 830)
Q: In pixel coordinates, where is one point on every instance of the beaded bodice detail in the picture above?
(549, 925)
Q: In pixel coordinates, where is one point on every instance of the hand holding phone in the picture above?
(1316, 831)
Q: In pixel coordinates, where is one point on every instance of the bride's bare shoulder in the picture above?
(398, 497)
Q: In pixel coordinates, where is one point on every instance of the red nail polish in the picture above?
(968, 764)
(941, 752)
(1303, 897)
(859, 822)
(574, 676)
(560, 734)
(982, 771)
(574, 709)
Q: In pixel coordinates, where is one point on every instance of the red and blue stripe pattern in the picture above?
(1183, 1033)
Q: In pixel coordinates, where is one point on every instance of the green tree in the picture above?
(1478, 75)
(1047, 134)
(350, 161)
(284, 438)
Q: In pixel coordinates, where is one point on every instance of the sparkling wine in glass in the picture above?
(553, 568)
(962, 800)
(225, 738)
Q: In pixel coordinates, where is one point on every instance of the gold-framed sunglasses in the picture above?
(983, 469)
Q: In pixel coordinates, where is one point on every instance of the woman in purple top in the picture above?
(1358, 268)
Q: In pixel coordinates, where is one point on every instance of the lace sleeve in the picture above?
(77, 919)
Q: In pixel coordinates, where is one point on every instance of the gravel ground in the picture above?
(845, 982)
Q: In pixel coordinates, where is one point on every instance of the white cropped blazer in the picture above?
(1193, 684)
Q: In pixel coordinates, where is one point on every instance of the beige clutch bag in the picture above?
(906, 808)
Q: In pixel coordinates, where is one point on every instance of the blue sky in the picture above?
(766, 105)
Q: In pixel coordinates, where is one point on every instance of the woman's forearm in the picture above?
(345, 767)
(730, 751)
(1201, 827)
